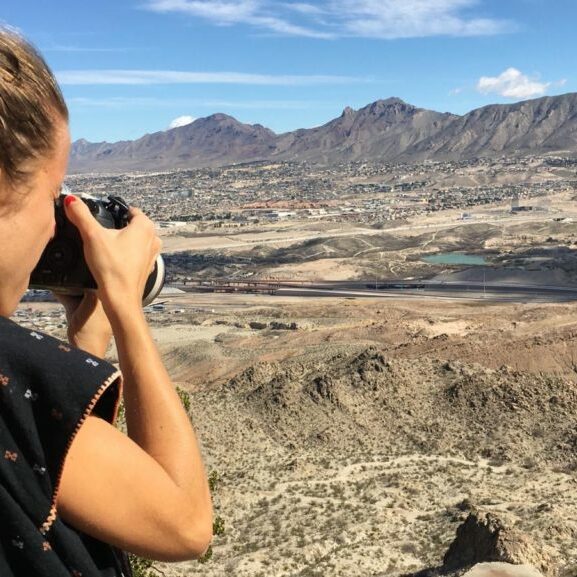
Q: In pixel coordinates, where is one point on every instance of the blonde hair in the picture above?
(31, 104)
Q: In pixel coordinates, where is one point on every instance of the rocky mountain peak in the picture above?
(220, 116)
(388, 106)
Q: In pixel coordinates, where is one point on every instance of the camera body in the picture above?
(62, 267)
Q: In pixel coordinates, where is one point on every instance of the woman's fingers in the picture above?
(120, 259)
(80, 216)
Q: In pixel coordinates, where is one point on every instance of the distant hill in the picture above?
(386, 130)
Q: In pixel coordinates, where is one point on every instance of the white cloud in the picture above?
(257, 13)
(64, 48)
(303, 8)
(327, 19)
(147, 77)
(181, 121)
(413, 18)
(223, 12)
(512, 84)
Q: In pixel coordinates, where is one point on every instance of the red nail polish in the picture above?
(69, 199)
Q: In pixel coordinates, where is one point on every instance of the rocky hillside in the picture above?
(366, 401)
(353, 463)
(535, 126)
(386, 130)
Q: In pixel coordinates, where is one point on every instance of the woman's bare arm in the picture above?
(114, 491)
(156, 477)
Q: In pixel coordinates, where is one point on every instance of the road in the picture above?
(396, 289)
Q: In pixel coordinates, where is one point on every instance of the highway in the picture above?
(397, 288)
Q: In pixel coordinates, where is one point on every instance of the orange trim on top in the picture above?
(117, 375)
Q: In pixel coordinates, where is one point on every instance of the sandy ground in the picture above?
(305, 512)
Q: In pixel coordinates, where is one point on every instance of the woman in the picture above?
(73, 489)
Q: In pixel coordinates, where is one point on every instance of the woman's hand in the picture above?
(88, 325)
(119, 259)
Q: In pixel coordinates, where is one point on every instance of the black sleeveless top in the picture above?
(47, 389)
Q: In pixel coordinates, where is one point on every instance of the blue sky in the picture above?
(131, 67)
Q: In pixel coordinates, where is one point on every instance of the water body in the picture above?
(455, 258)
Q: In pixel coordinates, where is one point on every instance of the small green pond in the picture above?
(455, 258)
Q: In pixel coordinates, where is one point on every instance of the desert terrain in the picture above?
(356, 443)
(353, 435)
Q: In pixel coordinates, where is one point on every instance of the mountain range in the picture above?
(386, 130)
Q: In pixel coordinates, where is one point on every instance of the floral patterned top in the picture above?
(47, 389)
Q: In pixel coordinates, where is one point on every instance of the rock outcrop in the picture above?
(484, 537)
(485, 547)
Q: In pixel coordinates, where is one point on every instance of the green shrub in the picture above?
(213, 481)
(218, 526)
(184, 398)
(205, 558)
(141, 567)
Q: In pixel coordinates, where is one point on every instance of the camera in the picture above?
(62, 267)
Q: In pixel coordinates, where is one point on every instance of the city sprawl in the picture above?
(359, 192)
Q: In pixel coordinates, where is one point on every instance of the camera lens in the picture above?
(155, 282)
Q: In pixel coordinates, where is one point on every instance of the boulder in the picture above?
(484, 538)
